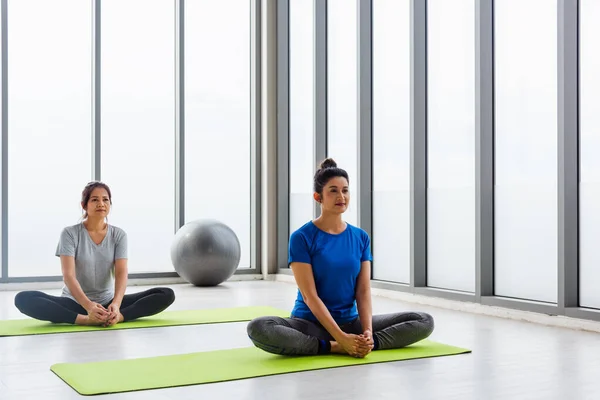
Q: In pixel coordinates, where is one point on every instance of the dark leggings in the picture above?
(296, 336)
(62, 309)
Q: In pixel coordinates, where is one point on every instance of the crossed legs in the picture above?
(295, 336)
(58, 309)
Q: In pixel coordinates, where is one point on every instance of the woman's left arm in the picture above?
(120, 280)
(120, 268)
(363, 297)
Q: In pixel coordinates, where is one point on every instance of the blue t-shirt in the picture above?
(336, 261)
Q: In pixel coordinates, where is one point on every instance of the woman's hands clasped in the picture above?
(357, 345)
(99, 315)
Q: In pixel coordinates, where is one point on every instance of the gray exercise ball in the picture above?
(205, 252)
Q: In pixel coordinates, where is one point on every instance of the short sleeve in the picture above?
(121, 245)
(66, 244)
(366, 252)
(298, 249)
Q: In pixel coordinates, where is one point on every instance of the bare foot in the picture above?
(115, 320)
(337, 348)
(362, 350)
(86, 320)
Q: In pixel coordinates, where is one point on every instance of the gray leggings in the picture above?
(296, 336)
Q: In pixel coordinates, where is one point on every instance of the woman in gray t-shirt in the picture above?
(93, 256)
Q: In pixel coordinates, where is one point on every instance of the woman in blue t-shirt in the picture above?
(331, 262)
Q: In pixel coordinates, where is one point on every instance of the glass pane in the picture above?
(138, 138)
(49, 123)
(342, 90)
(526, 149)
(589, 189)
(302, 159)
(391, 140)
(451, 144)
(217, 119)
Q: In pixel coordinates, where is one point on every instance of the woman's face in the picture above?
(336, 195)
(99, 204)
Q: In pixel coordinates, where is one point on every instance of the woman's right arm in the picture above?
(306, 283)
(70, 279)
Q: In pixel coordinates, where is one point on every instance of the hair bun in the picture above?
(328, 163)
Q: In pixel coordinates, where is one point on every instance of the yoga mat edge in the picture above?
(118, 376)
(30, 326)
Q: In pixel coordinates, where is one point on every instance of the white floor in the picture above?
(510, 360)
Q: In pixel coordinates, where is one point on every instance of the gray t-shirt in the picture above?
(94, 263)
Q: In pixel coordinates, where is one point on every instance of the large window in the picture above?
(342, 92)
(526, 149)
(391, 140)
(138, 109)
(302, 160)
(49, 122)
(589, 190)
(451, 144)
(217, 118)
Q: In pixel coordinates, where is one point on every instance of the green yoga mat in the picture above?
(29, 326)
(218, 366)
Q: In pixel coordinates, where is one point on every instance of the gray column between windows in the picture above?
(365, 116)
(255, 135)
(418, 143)
(179, 114)
(320, 89)
(96, 90)
(568, 154)
(270, 197)
(283, 131)
(484, 147)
